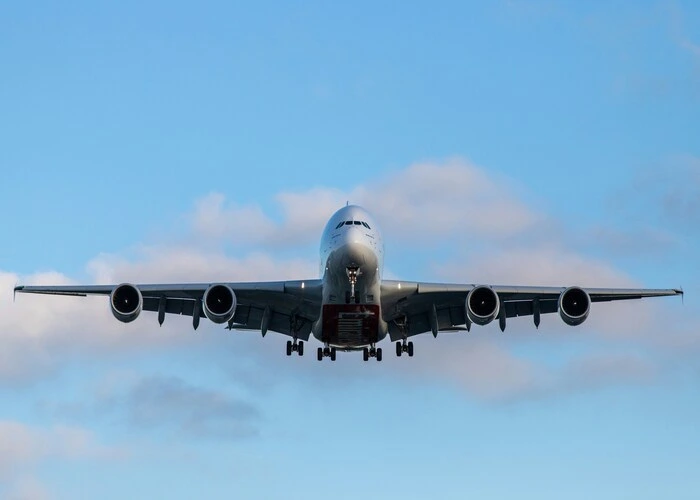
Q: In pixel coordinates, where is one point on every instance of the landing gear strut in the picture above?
(372, 352)
(297, 347)
(404, 346)
(326, 352)
(353, 272)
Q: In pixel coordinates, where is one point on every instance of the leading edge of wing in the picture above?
(521, 292)
(78, 291)
(596, 294)
(172, 290)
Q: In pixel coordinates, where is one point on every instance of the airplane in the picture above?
(350, 307)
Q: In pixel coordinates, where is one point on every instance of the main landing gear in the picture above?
(326, 352)
(404, 346)
(297, 347)
(372, 352)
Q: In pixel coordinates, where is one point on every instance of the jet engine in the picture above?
(574, 305)
(126, 302)
(219, 303)
(482, 305)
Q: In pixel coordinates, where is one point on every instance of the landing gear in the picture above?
(372, 352)
(404, 346)
(297, 347)
(353, 272)
(326, 352)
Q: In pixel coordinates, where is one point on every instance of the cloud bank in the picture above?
(450, 203)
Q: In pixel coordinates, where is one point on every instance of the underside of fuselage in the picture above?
(351, 317)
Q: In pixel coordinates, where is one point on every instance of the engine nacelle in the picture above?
(126, 302)
(219, 303)
(483, 305)
(574, 305)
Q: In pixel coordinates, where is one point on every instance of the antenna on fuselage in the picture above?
(347, 203)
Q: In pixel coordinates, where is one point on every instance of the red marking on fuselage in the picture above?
(350, 324)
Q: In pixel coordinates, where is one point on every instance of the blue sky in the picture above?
(507, 142)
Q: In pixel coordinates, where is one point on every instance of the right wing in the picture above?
(413, 308)
(287, 307)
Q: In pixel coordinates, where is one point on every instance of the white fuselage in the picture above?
(351, 240)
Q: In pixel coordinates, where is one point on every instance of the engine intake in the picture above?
(483, 305)
(126, 302)
(574, 305)
(219, 303)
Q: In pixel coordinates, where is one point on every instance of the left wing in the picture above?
(287, 307)
(412, 308)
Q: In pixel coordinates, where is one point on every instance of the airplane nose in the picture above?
(355, 247)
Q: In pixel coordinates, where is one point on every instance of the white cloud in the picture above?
(27, 488)
(450, 201)
(455, 198)
(479, 366)
(23, 448)
(451, 198)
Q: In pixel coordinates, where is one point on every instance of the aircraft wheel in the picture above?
(289, 348)
(399, 349)
(410, 349)
(379, 353)
(333, 354)
(347, 297)
(365, 354)
(300, 349)
(320, 354)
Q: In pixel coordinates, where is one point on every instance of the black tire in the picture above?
(289, 348)
(347, 297)
(357, 298)
(379, 353)
(333, 354)
(300, 348)
(365, 354)
(399, 350)
(410, 349)
(320, 354)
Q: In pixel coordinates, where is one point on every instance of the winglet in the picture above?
(17, 288)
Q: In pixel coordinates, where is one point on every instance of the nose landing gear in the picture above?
(353, 272)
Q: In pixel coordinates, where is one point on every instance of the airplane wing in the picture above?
(412, 308)
(281, 306)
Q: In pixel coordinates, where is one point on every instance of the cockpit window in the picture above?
(366, 225)
(358, 223)
(340, 225)
(348, 222)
